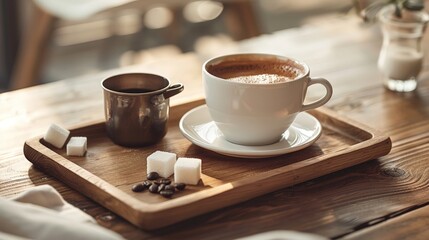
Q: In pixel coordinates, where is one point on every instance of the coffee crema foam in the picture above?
(261, 79)
(256, 70)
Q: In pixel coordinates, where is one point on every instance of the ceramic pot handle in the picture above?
(173, 90)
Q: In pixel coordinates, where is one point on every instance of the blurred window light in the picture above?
(201, 11)
(128, 22)
(158, 17)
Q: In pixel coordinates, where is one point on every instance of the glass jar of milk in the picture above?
(401, 55)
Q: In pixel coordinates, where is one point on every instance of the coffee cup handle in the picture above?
(173, 90)
(322, 100)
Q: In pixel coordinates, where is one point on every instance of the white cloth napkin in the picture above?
(41, 213)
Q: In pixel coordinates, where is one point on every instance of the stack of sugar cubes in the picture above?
(57, 137)
(185, 170)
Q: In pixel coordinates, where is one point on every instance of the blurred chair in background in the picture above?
(239, 21)
(9, 40)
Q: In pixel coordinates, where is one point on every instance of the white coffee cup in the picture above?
(249, 113)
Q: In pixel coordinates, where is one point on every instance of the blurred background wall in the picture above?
(137, 32)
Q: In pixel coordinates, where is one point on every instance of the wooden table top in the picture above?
(385, 198)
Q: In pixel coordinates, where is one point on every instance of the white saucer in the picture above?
(198, 127)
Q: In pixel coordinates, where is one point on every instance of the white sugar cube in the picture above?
(77, 146)
(56, 135)
(187, 170)
(162, 163)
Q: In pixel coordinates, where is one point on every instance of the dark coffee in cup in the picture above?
(256, 70)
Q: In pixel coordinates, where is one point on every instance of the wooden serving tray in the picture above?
(107, 172)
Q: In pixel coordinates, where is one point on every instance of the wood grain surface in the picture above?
(107, 172)
(383, 198)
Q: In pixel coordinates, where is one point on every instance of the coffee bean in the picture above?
(147, 183)
(166, 193)
(165, 181)
(161, 187)
(153, 188)
(138, 187)
(170, 187)
(180, 186)
(152, 176)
